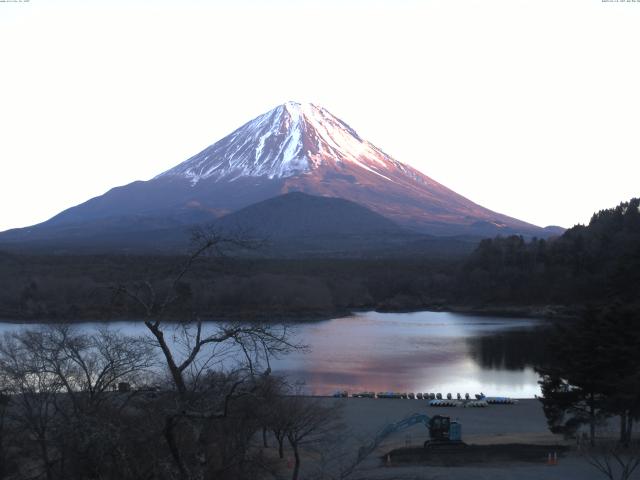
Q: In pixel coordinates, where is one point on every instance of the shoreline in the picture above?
(413, 362)
(518, 399)
(547, 312)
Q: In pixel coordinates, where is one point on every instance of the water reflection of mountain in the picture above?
(511, 350)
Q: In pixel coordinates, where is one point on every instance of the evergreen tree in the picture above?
(592, 372)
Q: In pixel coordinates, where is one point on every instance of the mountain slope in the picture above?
(292, 225)
(303, 147)
(294, 147)
(296, 224)
(300, 215)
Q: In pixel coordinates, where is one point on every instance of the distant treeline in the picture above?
(83, 287)
(592, 264)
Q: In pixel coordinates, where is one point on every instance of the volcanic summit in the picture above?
(293, 147)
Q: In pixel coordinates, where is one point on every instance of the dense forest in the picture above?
(82, 287)
(592, 264)
(591, 371)
(587, 265)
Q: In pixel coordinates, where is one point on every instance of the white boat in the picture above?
(444, 403)
(500, 400)
(364, 395)
(475, 404)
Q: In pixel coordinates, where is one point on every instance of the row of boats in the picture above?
(483, 402)
(435, 399)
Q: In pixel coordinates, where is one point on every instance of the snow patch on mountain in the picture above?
(291, 139)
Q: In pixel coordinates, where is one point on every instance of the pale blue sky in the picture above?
(528, 108)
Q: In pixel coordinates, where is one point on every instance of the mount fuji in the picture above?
(292, 148)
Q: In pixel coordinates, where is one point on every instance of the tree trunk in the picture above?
(623, 428)
(176, 374)
(592, 422)
(296, 456)
(45, 458)
(264, 437)
(281, 447)
(629, 427)
(173, 448)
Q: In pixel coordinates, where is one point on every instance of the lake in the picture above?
(413, 352)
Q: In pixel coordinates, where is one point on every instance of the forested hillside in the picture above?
(594, 265)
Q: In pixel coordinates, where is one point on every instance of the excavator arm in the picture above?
(403, 424)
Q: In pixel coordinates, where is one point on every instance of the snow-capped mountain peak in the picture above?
(296, 147)
(292, 139)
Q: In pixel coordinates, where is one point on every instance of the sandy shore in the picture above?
(521, 423)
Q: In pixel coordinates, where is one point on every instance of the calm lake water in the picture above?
(413, 352)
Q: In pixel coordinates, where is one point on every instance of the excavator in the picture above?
(442, 432)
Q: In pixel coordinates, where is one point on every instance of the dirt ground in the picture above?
(459, 454)
(523, 423)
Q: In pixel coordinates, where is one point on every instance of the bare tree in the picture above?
(60, 384)
(193, 349)
(613, 460)
(251, 344)
(278, 422)
(308, 421)
(338, 459)
(4, 402)
(88, 366)
(33, 393)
